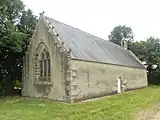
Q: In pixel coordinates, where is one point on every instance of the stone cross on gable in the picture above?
(41, 14)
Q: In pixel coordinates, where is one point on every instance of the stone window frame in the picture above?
(44, 71)
(44, 62)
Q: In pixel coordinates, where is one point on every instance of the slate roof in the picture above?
(85, 46)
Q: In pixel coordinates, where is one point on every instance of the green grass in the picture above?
(117, 107)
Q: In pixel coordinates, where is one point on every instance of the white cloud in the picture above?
(99, 17)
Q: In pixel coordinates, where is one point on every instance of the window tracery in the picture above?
(44, 64)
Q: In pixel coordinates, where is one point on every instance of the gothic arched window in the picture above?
(45, 64)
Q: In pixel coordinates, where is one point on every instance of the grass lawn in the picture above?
(117, 107)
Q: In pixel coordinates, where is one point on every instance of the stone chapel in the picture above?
(67, 64)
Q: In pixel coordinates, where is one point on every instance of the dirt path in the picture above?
(157, 117)
(151, 114)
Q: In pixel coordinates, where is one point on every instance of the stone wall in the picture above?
(57, 89)
(90, 79)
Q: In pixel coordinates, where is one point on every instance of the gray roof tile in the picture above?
(89, 47)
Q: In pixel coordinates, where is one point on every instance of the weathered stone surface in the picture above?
(43, 38)
(96, 78)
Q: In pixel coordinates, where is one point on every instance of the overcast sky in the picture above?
(99, 17)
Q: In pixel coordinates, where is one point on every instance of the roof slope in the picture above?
(85, 46)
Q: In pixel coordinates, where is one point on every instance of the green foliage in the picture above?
(17, 84)
(16, 26)
(26, 25)
(149, 51)
(121, 33)
(117, 107)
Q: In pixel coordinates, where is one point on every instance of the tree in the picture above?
(16, 26)
(149, 51)
(120, 33)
